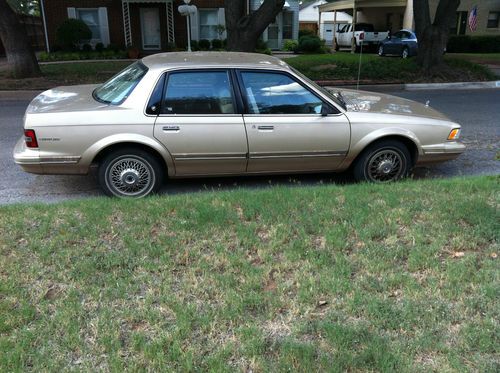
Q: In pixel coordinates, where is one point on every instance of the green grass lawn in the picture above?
(399, 277)
(340, 67)
(344, 66)
(489, 58)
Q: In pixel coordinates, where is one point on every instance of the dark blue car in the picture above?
(402, 43)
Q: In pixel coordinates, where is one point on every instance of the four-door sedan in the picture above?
(216, 113)
(403, 43)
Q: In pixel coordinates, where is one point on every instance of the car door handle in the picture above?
(265, 128)
(171, 128)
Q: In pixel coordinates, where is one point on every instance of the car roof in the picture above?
(211, 59)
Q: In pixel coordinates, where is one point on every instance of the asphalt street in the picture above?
(478, 111)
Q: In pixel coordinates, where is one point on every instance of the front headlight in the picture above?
(454, 134)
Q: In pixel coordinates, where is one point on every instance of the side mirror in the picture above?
(325, 110)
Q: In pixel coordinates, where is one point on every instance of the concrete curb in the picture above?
(461, 85)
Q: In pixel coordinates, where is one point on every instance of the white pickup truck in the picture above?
(363, 33)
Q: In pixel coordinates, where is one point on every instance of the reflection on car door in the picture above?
(200, 125)
(285, 126)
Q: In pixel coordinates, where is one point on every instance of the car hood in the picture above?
(65, 99)
(371, 102)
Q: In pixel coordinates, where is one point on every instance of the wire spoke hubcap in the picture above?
(130, 176)
(385, 165)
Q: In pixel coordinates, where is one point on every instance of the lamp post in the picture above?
(186, 10)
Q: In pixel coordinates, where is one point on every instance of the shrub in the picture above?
(87, 47)
(72, 32)
(311, 44)
(217, 44)
(290, 45)
(99, 47)
(306, 32)
(113, 47)
(261, 45)
(171, 47)
(473, 44)
(195, 46)
(204, 44)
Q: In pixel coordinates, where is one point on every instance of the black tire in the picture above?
(130, 173)
(405, 53)
(383, 161)
(381, 52)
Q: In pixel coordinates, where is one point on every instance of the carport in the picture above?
(378, 12)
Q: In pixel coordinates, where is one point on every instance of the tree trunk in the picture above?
(243, 30)
(20, 56)
(432, 37)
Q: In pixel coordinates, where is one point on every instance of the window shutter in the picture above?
(195, 28)
(103, 25)
(222, 21)
(71, 13)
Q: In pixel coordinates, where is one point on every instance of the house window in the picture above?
(493, 20)
(209, 20)
(91, 19)
(287, 25)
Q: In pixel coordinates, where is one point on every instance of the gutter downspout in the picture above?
(42, 8)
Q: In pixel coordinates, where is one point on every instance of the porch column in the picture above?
(319, 25)
(334, 30)
(354, 20)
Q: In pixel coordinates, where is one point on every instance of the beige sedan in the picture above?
(214, 114)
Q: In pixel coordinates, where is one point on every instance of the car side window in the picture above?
(154, 103)
(198, 92)
(277, 93)
(398, 35)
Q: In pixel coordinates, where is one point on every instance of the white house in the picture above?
(309, 18)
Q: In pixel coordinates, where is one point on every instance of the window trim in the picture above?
(330, 106)
(168, 73)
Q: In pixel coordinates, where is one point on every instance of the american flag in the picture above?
(473, 19)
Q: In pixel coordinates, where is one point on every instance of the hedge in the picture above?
(474, 44)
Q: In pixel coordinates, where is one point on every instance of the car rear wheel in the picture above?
(382, 162)
(381, 52)
(130, 173)
(405, 53)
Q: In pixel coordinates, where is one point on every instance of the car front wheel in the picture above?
(131, 173)
(383, 162)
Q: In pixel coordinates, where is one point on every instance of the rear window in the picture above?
(364, 27)
(119, 87)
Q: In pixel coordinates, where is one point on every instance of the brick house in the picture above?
(151, 25)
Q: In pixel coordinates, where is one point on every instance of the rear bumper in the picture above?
(31, 161)
(440, 152)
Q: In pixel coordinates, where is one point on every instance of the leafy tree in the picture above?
(30, 7)
(20, 56)
(433, 36)
(243, 30)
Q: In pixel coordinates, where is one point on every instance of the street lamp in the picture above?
(186, 10)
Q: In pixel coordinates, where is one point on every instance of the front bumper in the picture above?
(33, 162)
(441, 152)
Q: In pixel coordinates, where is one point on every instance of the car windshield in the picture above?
(324, 90)
(119, 87)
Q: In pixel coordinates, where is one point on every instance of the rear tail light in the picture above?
(362, 36)
(30, 138)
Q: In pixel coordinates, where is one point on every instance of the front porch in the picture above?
(148, 24)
